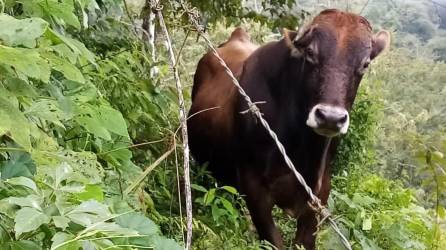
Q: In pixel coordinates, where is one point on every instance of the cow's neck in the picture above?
(323, 164)
(312, 154)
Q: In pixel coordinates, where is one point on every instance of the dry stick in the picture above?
(183, 119)
(363, 7)
(179, 191)
(148, 170)
(182, 47)
(314, 202)
(127, 11)
(132, 146)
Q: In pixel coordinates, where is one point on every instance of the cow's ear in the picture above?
(381, 41)
(304, 36)
(298, 40)
(289, 36)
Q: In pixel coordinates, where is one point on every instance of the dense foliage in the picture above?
(86, 111)
(65, 156)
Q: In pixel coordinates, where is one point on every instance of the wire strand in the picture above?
(183, 118)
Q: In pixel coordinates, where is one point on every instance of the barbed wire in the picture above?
(314, 203)
(157, 9)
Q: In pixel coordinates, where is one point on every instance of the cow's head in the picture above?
(337, 47)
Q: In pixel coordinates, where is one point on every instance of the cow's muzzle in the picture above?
(328, 120)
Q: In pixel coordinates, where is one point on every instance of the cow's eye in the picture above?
(364, 67)
(309, 52)
(310, 55)
(366, 64)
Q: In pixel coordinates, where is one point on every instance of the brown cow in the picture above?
(308, 81)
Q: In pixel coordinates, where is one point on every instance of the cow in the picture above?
(305, 85)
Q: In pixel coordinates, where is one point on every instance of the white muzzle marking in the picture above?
(336, 116)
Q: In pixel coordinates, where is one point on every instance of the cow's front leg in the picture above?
(260, 204)
(307, 222)
(306, 227)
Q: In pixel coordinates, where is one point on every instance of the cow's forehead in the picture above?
(338, 18)
(347, 27)
(343, 33)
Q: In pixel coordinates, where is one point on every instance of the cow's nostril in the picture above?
(320, 114)
(343, 119)
(328, 120)
(330, 117)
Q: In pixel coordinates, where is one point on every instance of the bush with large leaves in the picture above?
(60, 136)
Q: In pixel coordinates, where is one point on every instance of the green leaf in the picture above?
(102, 120)
(78, 49)
(441, 212)
(84, 53)
(84, 219)
(138, 222)
(65, 67)
(437, 155)
(47, 110)
(73, 188)
(92, 207)
(230, 189)
(198, 188)
(22, 245)
(91, 192)
(367, 224)
(89, 212)
(217, 212)
(7, 208)
(61, 222)
(14, 124)
(345, 199)
(20, 87)
(81, 93)
(62, 173)
(65, 52)
(20, 164)
(117, 154)
(24, 32)
(88, 119)
(209, 196)
(228, 206)
(62, 12)
(100, 244)
(32, 201)
(26, 61)
(113, 120)
(94, 126)
(28, 219)
(162, 243)
(59, 238)
(111, 228)
(363, 200)
(23, 181)
(366, 243)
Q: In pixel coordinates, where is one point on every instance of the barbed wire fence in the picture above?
(156, 8)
